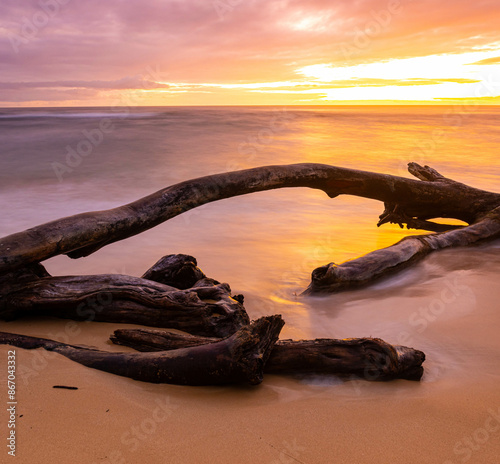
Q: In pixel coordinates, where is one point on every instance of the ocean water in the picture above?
(58, 162)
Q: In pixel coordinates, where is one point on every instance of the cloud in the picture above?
(488, 61)
(135, 82)
(93, 44)
(47, 95)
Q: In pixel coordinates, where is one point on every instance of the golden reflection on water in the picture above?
(264, 245)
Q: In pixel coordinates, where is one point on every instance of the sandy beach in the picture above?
(451, 416)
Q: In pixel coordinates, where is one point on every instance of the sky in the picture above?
(248, 52)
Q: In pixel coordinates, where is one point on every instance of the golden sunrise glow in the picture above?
(471, 75)
(254, 53)
(423, 78)
(427, 78)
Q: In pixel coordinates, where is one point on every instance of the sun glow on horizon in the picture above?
(446, 76)
(425, 79)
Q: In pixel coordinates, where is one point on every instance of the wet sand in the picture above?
(448, 307)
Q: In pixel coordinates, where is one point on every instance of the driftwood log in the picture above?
(198, 305)
(368, 358)
(238, 358)
(407, 201)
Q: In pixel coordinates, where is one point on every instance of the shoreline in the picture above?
(449, 416)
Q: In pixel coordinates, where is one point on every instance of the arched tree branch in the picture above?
(83, 234)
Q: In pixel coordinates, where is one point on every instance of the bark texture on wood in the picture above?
(237, 359)
(359, 272)
(369, 358)
(206, 308)
(179, 271)
(80, 235)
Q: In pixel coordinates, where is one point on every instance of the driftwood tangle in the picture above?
(175, 293)
(238, 358)
(203, 306)
(369, 358)
(484, 225)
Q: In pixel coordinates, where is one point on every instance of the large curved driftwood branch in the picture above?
(407, 200)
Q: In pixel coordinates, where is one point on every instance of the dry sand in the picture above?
(452, 416)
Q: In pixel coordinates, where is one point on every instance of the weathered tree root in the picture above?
(239, 358)
(369, 358)
(203, 307)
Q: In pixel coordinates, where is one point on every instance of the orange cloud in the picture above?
(225, 52)
(488, 61)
